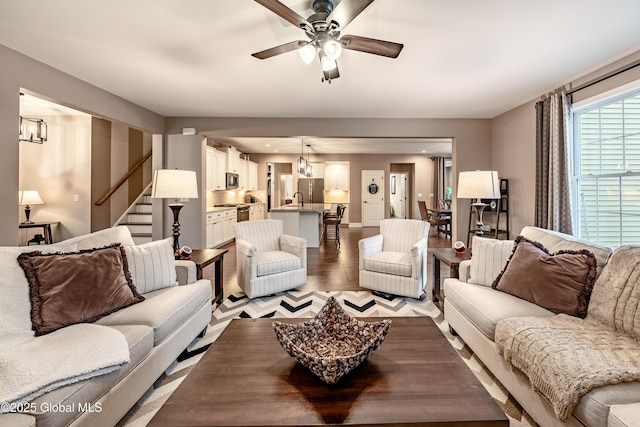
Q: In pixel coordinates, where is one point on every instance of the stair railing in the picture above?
(131, 208)
(124, 179)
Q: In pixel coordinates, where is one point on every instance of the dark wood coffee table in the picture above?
(246, 379)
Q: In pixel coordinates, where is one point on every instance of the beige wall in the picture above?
(59, 169)
(514, 156)
(18, 72)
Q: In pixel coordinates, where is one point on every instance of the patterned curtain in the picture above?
(553, 159)
(438, 179)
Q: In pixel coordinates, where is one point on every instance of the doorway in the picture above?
(398, 195)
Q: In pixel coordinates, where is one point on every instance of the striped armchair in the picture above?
(395, 261)
(268, 261)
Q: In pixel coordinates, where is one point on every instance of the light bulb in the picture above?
(333, 49)
(307, 53)
(328, 64)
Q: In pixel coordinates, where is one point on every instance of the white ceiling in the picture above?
(461, 59)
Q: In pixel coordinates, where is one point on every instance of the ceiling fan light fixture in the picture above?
(307, 53)
(333, 49)
(328, 64)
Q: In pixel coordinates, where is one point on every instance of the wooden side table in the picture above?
(46, 229)
(205, 257)
(451, 258)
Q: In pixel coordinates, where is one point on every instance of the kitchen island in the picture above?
(302, 221)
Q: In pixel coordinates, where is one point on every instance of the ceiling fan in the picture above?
(323, 30)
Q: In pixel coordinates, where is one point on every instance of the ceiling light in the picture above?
(328, 64)
(302, 162)
(32, 130)
(307, 53)
(333, 49)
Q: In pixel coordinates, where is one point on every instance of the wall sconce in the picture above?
(33, 130)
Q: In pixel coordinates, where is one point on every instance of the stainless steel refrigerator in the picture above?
(312, 189)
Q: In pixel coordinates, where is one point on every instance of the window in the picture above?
(607, 170)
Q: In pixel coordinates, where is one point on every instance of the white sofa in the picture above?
(157, 330)
(473, 311)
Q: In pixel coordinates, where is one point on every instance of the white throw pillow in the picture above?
(488, 259)
(152, 265)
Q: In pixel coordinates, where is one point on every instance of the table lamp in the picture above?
(175, 184)
(478, 185)
(27, 198)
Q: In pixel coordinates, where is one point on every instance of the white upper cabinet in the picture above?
(220, 177)
(233, 161)
(216, 168)
(252, 172)
(336, 176)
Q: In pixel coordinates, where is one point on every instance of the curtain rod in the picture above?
(605, 77)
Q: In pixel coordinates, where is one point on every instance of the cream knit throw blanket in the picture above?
(565, 357)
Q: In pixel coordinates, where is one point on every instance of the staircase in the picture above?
(138, 218)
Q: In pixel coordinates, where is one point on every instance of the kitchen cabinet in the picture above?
(219, 227)
(243, 175)
(210, 168)
(215, 172)
(336, 176)
(256, 212)
(233, 160)
(252, 172)
(220, 177)
(227, 227)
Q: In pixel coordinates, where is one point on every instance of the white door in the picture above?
(372, 197)
(403, 196)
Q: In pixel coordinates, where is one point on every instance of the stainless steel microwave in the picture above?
(232, 181)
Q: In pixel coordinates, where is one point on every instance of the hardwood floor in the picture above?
(330, 268)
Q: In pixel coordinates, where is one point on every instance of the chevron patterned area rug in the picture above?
(300, 304)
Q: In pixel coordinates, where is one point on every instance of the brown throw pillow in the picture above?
(77, 287)
(560, 282)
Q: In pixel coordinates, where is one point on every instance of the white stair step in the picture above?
(139, 217)
(144, 208)
(147, 199)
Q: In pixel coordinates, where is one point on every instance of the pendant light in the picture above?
(302, 163)
(309, 170)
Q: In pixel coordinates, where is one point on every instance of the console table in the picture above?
(46, 229)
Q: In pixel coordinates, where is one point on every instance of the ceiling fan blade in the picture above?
(374, 46)
(331, 74)
(283, 48)
(285, 13)
(347, 10)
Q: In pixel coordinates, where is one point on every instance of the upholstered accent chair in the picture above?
(268, 261)
(395, 261)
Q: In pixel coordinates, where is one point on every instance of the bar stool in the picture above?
(333, 219)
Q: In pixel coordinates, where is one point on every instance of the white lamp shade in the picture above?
(333, 49)
(29, 197)
(307, 53)
(478, 185)
(174, 184)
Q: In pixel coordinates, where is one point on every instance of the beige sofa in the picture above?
(156, 330)
(473, 311)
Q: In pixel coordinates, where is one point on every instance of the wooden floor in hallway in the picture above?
(329, 267)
